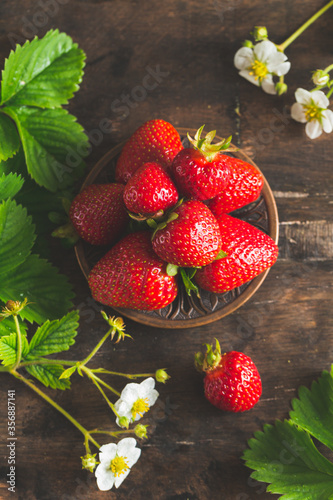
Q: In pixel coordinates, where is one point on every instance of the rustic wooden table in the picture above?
(184, 50)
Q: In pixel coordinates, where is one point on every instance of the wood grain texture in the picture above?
(174, 60)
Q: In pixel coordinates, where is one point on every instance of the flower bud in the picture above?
(248, 43)
(281, 88)
(319, 77)
(260, 33)
(12, 308)
(141, 431)
(124, 422)
(89, 462)
(161, 376)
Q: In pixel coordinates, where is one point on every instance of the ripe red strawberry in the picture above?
(201, 172)
(131, 275)
(190, 238)
(150, 191)
(155, 140)
(99, 214)
(232, 381)
(243, 187)
(248, 250)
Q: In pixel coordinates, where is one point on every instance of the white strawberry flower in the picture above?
(311, 108)
(260, 63)
(135, 400)
(115, 464)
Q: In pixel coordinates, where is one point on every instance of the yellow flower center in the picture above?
(312, 112)
(118, 465)
(259, 70)
(140, 407)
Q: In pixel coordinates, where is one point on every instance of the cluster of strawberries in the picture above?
(184, 196)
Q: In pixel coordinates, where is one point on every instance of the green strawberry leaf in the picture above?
(10, 185)
(54, 145)
(39, 203)
(16, 164)
(17, 235)
(9, 138)
(313, 411)
(284, 456)
(54, 336)
(49, 375)
(69, 372)
(8, 348)
(48, 292)
(44, 72)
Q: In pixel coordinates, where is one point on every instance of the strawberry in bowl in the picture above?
(180, 200)
(155, 140)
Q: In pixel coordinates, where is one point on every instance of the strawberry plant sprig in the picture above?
(262, 60)
(17, 353)
(42, 150)
(23, 273)
(285, 454)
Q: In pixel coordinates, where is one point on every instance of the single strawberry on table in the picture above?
(248, 250)
(150, 191)
(98, 213)
(232, 381)
(131, 275)
(243, 187)
(200, 172)
(156, 140)
(190, 237)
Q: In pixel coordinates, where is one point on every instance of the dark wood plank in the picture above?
(193, 450)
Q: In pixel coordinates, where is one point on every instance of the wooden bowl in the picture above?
(187, 311)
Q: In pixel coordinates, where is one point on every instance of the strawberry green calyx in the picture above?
(67, 233)
(117, 325)
(205, 146)
(210, 360)
(141, 431)
(161, 225)
(161, 375)
(65, 230)
(221, 255)
(89, 462)
(186, 275)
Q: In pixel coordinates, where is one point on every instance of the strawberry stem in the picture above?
(208, 361)
(205, 146)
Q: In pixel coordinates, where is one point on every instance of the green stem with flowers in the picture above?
(260, 34)
(21, 360)
(282, 47)
(59, 408)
